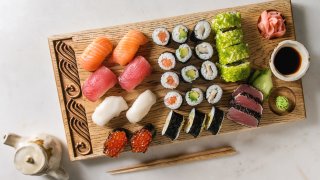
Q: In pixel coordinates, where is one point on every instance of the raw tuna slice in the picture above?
(244, 116)
(250, 90)
(134, 73)
(98, 83)
(245, 101)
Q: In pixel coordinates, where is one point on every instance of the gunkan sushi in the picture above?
(208, 70)
(173, 125)
(172, 100)
(213, 94)
(189, 73)
(196, 122)
(204, 51)
(169, 80)
(142, 138)
(167, 61)
(116, 142)
(161, 36)
(194, 97)
(180, 34)
(214, 120)
(184, 53)
(201, 31)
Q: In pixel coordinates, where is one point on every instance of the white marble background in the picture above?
(29, 101)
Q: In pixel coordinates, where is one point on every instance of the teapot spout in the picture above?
(11, 139)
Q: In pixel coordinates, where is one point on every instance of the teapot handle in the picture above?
(59, 174)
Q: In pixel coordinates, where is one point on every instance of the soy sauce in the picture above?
(287, 61)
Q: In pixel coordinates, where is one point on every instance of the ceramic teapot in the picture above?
(37, 155)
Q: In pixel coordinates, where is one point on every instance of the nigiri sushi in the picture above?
(93, 56)
(110, 107)
(134, 73)
(128, 47)
(98, 83)
(141, 106)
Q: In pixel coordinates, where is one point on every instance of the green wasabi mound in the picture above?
(235, 73)
(233, 54)
(225, 21)
(229, 38)
(282, 103)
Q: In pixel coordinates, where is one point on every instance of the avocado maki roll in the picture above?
(214, 94)
(235, 72)
(170, 80)
(195, 123)
(161, 36)
(184, 53)
(208, 70)
(173, 125)
(194, 97)
(189, 73)
(233, 54)
(180, 34)
(172, 100)
(226, 21)
(229, 38)
(201, 31)
(214, 120)
(204, 51)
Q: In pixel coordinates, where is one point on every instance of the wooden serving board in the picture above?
(85, 139)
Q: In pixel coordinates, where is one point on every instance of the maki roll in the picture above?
(189, 73)
(226, 21)
(208, 70)
(233, 54)
(201, 31)
(142, 138)
(161, 36)
(229, 38)
(235, 73)
(116, 142)
(214, 120)
(180, 34)
(170, 80)
(196, 122)
(214, 94)
(194, 97)
(173, 125)
(172, 100)
(204, 51)
(184, 53)
(167, 61)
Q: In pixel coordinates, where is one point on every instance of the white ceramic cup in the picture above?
(305, 60)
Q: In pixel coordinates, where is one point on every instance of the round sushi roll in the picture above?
(161, 36)
(170, 80)
(214, 120)
(189, 73)
(214, 94)
(180, 34)
(167, 61)
(204, 51)
(201, 31)
(208, 70)
(173, 125)
(173, 100)
(183, 53)
(196, 122)
(194, 96)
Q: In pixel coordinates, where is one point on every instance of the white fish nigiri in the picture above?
(110, 107)
(141, 106)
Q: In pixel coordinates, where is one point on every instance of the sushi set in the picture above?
(135, 86)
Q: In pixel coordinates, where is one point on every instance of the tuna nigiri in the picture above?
(128, 47)
(93, 56)
(98, 83)
(134, 73)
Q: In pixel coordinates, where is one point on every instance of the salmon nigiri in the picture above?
(128, 47)
(93, 56)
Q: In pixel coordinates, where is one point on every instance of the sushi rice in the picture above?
(194, 96)
(201, 30)
(208, 70)
(189, 73)
(173, 100)
(161, 36)
(204, 51)
(214, 94)
(167, 61)
(183, 53)
(170, 80)
(180, 34)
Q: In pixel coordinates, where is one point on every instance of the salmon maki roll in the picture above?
(93, 56)
(98, 83)
(134, 73)
(128, 47)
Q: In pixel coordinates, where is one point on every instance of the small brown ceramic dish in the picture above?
(282, 91)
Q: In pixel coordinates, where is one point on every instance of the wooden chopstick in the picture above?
(203, 155)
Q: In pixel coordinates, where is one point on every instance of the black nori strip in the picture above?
(197, 124)
(248, 111)
(151, 129)
(193, 37)
(216, 123)
(174, 125)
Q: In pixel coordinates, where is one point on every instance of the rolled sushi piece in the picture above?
(167, 61)
(194, 97)
(214, 120)
(214, 94)
(226, 21)
(229, 38)
(233, 54)
(204, 51)
(142, 138)
(180, 34)
(172, 100)
(201, 31)
(173, 125)
(196, 122)
(184, 53)
(235, 73)
(208, 70)
(170, 80)
(189, 73)
(161, 36)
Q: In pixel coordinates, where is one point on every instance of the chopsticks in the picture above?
(203, 155)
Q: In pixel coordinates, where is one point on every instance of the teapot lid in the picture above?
(30, 159)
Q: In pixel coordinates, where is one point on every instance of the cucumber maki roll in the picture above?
(229, 38)
(214, 120)
(184, 53)
(180, 34)
(173, 125)
(195, 123)
(170, 80)
(201, 31)
(194, 97)
(167, 61)
(204, 51)
(233, 54)
(214, 94)
(161, 36)
(226, 21)
(189, 73)
(208, 70)
(173, 100)
(235, 73)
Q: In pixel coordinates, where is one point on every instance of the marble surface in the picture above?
(29, 102)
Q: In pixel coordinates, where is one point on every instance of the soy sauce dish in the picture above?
(290, 60)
